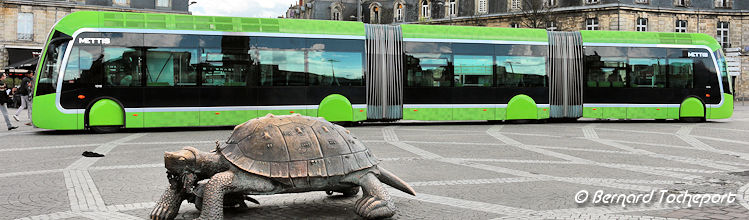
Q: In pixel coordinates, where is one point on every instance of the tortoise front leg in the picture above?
(168, 206)
(230, 182)
(213, 195)
(375, 202)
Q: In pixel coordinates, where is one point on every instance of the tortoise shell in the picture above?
(295, 146)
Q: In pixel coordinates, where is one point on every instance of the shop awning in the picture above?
(27, 64)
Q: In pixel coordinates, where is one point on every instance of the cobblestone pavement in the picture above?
(460, 170)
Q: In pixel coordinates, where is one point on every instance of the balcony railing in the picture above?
(26, 36)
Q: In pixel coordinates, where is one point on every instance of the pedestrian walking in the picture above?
(25, 91)
(4, 99)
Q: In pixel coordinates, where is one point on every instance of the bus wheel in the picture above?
(105, 129)
(521, 121)
(692, 119)
(347, 123)
(562, 120)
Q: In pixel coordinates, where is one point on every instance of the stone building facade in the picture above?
(25, 25)
(726, 20)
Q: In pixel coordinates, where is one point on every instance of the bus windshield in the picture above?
(51, 66)
(721, 59)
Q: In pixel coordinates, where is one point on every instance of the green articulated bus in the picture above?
(109, 70)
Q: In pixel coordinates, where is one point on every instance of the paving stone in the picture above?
(579, 170)
(498, 151)
(32, 195)
(24, 161)
(126, 186)
(428, 170)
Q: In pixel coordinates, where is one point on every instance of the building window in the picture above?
(642, 24)
(681, 26)
(162, 3)
(374, 13)
(453, 8)
(592, 1)
(482, 7)
(425, 9)
(591, 24)
(551, 26)
(641, 1)
(336, 14)
(399, 9)
(514, 25)
(25, 26)
(723, 34)
(551, 3)
(121, 2)
(723, 3)
(515, 5)
(683, 3)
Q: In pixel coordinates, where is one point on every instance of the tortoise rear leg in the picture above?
(375, 202)
(230, 182)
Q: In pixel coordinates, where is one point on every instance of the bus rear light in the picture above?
(136, 115)
(292, 112)
(657, 109)
(218, 113)
(484, 109)
(416, 110)
(361, 110)
(544, 109)
(81, 96)
(594, 109)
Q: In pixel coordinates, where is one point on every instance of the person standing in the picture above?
(4, 98)
(25, 90)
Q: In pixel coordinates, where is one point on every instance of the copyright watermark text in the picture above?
(684, 198)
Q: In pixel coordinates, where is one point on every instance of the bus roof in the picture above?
(98, 19)
(101, 19)
(631, 37)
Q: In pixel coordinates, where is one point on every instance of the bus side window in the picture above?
(520, 66)
(281, 68)
(680, 69)
(225, 61)
(84, 66)
(681, 73)
(281, 61)
(428, 64)
(606, 67)
(171, 59)
(172, 66)
(474, 65)
(121, 66)
(225, 67)
(647, 67)
(335, 62)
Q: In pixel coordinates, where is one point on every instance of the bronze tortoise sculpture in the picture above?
(277, 154)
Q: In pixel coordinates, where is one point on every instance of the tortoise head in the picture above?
(182, 160)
